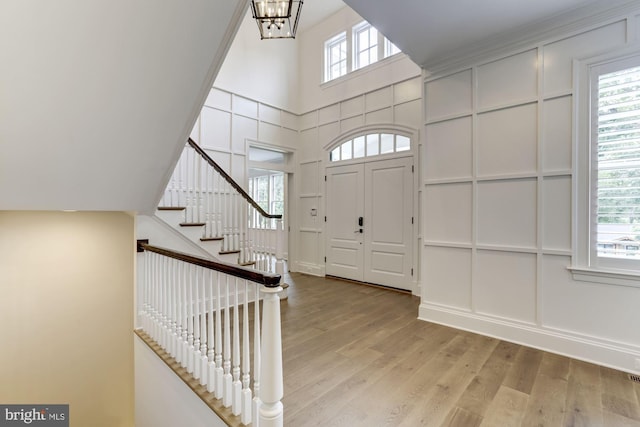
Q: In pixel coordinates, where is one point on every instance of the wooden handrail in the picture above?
(267, 279)
(231, 181)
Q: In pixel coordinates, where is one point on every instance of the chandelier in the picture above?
(277, 19)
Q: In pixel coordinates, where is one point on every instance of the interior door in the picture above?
(345, 205)
(369, 222)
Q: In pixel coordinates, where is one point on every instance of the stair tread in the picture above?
(229, 252)
(209, 239)
(191, 224)
(171, 208)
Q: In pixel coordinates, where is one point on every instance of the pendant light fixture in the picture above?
(277, 19)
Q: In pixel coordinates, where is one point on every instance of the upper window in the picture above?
(372, 144)
(615, 163)
(365, 45)
(335, 57)
(356, 48)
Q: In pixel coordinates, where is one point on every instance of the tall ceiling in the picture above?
(98, 97)
(430, 31)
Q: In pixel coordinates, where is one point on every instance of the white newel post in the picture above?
(271, 383)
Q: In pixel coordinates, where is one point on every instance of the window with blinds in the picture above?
(616, 163)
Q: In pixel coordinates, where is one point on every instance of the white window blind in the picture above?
(616, 163)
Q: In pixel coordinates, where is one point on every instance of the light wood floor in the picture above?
(356, 355)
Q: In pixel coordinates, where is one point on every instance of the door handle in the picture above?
(361, 222)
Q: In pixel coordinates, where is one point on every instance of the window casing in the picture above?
(335, 57)
(365, 45)
(356, 48)
(607, 183)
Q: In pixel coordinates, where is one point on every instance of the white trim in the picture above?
(610, 277)
(560, 27)
(604, 352)
(584, 260)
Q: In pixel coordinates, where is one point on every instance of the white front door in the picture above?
(370, 222)
(345, 205)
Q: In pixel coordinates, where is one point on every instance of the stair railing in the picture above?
(213, 199)
(199, 312)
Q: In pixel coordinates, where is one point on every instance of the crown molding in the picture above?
(560, 26)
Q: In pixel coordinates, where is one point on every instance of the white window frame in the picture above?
(384, 49)
(586, 265)
(269, 176)
(333, 42)
(372, 50)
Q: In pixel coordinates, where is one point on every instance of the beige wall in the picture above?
(66, 282)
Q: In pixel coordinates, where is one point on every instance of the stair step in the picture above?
(246, 264)
(229, 252)
(191, 224)
(210, 239)
(171, 208)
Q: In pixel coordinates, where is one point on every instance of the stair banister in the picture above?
(175, 312)
(212, 198)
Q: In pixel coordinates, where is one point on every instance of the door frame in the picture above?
(414, 136)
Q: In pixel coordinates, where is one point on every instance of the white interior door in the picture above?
(370, 222)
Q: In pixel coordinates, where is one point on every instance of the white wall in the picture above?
(90, 89)
(66, 286)
(256, 99)
(162, 398)
(313, 94)
(497, 212)
(263, 70)
(388, 92)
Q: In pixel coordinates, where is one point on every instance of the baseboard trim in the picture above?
(607, 353)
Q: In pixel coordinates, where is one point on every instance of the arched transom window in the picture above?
(371, 144)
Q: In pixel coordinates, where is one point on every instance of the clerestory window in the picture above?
(355, 48)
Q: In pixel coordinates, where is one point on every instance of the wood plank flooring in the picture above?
(356, 355)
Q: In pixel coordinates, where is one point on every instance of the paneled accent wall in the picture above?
(497, 211)
(398, 103)
(229, 123)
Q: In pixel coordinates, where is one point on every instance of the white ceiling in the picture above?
(432, 30)
(314, 11)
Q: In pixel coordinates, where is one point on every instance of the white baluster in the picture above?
(219, 371)
(257, 360)
(190, 348)
(179, 346)
(246, 362)
(196, 327)
(271, 383)
(204, 374)
(192, 175)
(211, 380)
(227, 380)
(174, 309)
(155, 330)
(144, 318)
(185, 316)
(237, 384)
(280, 239)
